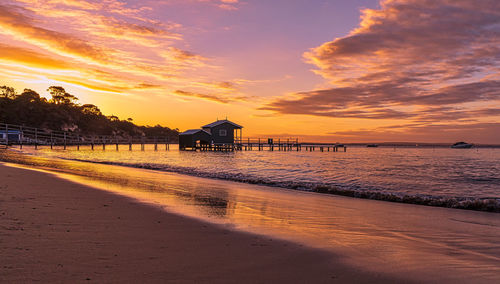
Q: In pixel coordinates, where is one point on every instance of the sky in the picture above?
(323, 71)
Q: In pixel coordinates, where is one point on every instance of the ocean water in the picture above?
(427, 244)
(460, 178)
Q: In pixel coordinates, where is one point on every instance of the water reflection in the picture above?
(443, 172)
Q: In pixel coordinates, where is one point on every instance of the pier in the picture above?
(284, 144)
(268, 144)
(11, 134)
(224, 135)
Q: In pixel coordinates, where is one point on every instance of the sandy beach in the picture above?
(53, 230)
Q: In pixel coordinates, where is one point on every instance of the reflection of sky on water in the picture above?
(440, 172)
(445, 243)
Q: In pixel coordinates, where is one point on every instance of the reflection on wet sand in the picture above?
(443, 244)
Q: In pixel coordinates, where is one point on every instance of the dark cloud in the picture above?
(148, 86)
(411, 59)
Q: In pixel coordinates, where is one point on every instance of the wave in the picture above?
(489, 204)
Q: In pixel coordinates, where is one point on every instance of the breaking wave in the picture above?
(443, 186)
(365, 192)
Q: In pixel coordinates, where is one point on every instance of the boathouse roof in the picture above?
(219, 122)
(193, 131)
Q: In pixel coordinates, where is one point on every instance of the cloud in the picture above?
(223, 99)
(100, 45)
(14, 22)
(111, 6)
(30, 58)
(227, 7)
(148, 86)
(141, 34)
(406, 59)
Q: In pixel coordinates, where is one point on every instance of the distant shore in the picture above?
(404, 144)
(54, 230)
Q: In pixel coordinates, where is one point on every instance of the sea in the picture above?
(437, 176)
(295, 196)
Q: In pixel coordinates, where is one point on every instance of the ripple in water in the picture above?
(459, 178)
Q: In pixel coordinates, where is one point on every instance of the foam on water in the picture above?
(467, 178)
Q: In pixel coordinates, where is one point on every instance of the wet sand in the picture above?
(54, 230)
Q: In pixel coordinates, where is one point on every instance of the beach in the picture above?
(67, 221)
(53, 230)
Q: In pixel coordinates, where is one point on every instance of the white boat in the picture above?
(462, 145)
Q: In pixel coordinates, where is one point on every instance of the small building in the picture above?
(224, 132)
(193, 138)
(13, 136)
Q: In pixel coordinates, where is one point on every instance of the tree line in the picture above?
(63, 113)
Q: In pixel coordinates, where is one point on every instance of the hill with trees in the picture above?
(63, 113)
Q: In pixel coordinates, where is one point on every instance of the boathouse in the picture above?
(193, 138)
(218, 135)
(224, 132)
(13, 136)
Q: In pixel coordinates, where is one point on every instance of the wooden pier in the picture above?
(21, 135)
(226, 136)
(270, 144)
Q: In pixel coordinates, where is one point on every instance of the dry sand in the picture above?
(53, 230)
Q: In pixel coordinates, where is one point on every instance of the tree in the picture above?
(60, 96)
(91, 109)
(62, 113)
(29, 95)
(113, 118)
(8, 92)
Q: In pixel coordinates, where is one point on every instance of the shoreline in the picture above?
(57, 230)
(368, 240)
(485, 204)
(481, 204)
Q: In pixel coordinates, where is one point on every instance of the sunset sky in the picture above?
(347, 71)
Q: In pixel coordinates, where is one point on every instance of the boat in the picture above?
(462, 145)
(372, 145)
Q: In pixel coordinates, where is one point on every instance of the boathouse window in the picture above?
(222, 132)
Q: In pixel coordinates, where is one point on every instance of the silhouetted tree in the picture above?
(7, 92)
(60, 96)
(113, 118)
(62, 113)
(28, 95)
(91, 109)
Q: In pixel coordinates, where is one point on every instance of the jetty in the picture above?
(225, 135)
(220, 136)
(19, 135)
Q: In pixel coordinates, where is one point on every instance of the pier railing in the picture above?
(284, 144)
(260, 140)
(11, 134)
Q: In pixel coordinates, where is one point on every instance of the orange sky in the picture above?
(347, 71)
